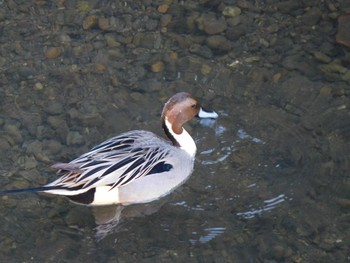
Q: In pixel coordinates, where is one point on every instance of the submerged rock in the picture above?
(343, 35)
(74, 138)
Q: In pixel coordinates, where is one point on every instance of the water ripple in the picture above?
(268, 206)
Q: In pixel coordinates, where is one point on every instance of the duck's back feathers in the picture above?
(113, 163)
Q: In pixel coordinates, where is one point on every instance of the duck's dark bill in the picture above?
(204, 114)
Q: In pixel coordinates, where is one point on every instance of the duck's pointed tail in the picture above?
(27, 190)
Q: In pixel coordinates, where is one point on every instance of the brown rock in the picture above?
(343, 35)
(158, 67)
(212, 27)
(165, 20)
(90, 22)
(53, 52)
(100, 67)
(163, 8)
(103, 23)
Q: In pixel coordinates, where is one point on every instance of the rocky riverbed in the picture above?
(271, 182)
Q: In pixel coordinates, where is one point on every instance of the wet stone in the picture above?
(90, 22)
(343, 36)
(34, 147)
(231, 11)
(103, 23)
(25, 73)
(14, 132)
(165, 20)
(287, 7)
(53, 52)
(20, 184)
(202, 51)
(38, 86)
(333, 67)
(147, 40)
(346, 76)
(74, 138)
(322, 57)
(234, 33)
(111, 41)
(64, 38)
(24, 101)
(211, 25)
(4, 144)
(30, 163)
(311, 17)
(206, 69)
(54, 108)
(56, 121)
(163, 8)
(157, 67)
(219, 42)
(91, 120)
(52, 146)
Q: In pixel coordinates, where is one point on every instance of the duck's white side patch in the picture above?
(184, 139)
(105, 196)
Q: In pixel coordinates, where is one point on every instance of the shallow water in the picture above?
(271, 180)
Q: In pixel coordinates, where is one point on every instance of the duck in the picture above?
(134, 167)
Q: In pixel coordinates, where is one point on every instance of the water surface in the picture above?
(271, 179)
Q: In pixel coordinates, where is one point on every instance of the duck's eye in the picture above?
(194, 106)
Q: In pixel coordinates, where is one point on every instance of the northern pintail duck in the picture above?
(133, 167)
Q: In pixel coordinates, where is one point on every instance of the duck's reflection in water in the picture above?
(110, 218)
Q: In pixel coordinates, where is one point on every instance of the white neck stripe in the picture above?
(184, 139)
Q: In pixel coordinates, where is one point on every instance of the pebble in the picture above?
(52, 146)
(53, 52)
(346, 76)
(231, 11)
(64, 38)
(173, 55)
(25, 73)
(343, 36)
(30, 163)
(54, 108)
(4, 144)
(20, 184)
(14, 132)
(38, 86)
(276, 77)
(111, 41)
(55, 121)
(74, 138)
(85, 6)
(163, 8)
(203, 51)
(157, 67)
(90, 22)
(100, 67)
(333, 67)
(165, 20)
(103, 23)
(234, 33)
(212, 27)
(206, 69)
(311, 17)
(147, 40)
(322, 57)
(219, 42)
(34, 147)
(326, 90)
